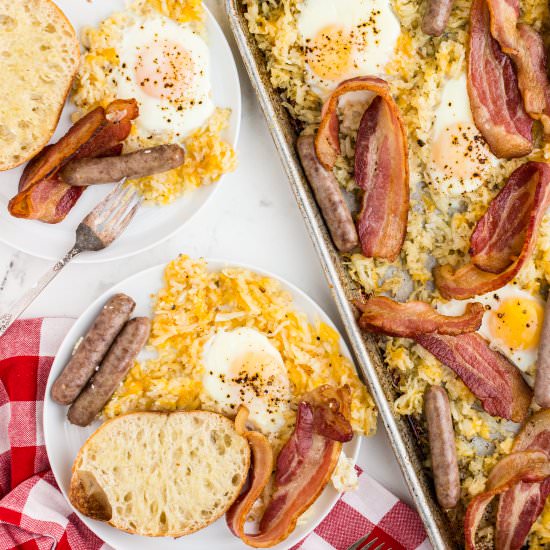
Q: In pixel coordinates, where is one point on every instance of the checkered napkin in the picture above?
(34, 513)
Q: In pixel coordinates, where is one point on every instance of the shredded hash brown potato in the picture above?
(194, 304)
(439, 226)
(208, 154)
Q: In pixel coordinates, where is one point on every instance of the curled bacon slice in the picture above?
(381, 165)
(523, 482)
(43, 195)
(533, 82)
(386, 316)
(495, 381)
(504, 237)
(525, 467)
(382, 171)
(525, 47)
(504, 17)
(495, 99)
(304, 467)
(262, 468)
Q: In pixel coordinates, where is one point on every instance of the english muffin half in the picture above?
(160, 474)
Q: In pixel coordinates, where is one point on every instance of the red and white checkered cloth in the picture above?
(34, 513)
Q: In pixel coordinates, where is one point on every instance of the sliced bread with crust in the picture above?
(39, 56)
(160, 474)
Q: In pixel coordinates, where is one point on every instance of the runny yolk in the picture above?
(517, 323)
(328, 54)
(164, 69)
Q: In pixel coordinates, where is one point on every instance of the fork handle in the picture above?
(30, 296)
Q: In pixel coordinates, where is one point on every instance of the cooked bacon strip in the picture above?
(495, 100)
(518, 508)
(504, 17)
(496, 382)
(386, 316)
(522, 479)
(52, 156)
(42, 194)
(495, 244)
(261, 470)
(525, 47)
(50, 200)
(381, 165)
(504, 237)
(533, 82)
(524, 466)
(304, 467)
(382, 171)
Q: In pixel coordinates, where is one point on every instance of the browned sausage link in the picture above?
(92, 348)
(542, 376)
(112, 371)
(442, 446)
(140, 163)
(329, 196)
(436, 17)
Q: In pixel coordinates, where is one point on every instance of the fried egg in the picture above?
(165, 66)
(460, 159)
(242, 367)
(512, 322)
(344, 39)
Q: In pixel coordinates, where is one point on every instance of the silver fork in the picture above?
(95, 232)
(369, 543)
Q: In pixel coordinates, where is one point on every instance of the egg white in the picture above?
(524, 357)
(178, 113)
(242, 367)
(363, 32)
(460, 159)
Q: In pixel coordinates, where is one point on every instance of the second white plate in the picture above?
(63, 440)
(151, 224)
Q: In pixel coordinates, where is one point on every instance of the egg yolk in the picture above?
(517, 323)
(254, 371)
(459, 151)
(164, 70)
(328, 54)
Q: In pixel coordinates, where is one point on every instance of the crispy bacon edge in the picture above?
(493, 89)
(43, 195)
(381, 165)
(525, 47)
(386, 316)
(304, 467)
(527, 188)
(522, 481)
(494, 380)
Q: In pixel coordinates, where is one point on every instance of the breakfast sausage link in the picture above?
(114, 368)
(145, 162)
(442, 446)
(436, 17)
(92, 349)
(329, 196)
(542, 376)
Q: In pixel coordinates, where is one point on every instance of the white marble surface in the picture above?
(252, 219)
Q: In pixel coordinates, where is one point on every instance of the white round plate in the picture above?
(152, 224)
(63, 440)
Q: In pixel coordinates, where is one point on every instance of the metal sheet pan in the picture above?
(368, 360)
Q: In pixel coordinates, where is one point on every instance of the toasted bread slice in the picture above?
(160, 474)
(39, 56)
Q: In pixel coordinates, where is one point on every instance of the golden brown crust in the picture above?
(56, 12)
